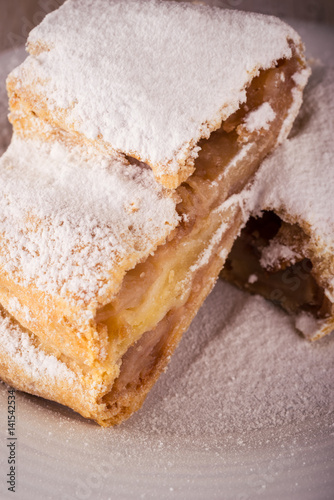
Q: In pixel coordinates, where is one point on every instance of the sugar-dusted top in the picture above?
(150, 77)
(297, 180)
(72, 226)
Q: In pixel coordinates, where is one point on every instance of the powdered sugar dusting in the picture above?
(308, 324)
(18, 345)
(14, 306)
(298, 179)
(252, 278)
(66, 229)
(260, 118)
(206, 255)
(241, 367)
(276, 252)
(122, 72)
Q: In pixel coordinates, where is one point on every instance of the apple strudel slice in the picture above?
(102, 269)
(148, 79)
(286, 252)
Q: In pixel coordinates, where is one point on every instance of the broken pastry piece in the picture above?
(285, 253)
(102, 268)
(147, 79)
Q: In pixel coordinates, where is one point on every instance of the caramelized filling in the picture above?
(288, 283)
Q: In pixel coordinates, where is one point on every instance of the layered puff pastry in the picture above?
(146, 79)
(285, 252)
(101, 267)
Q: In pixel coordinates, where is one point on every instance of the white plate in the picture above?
(246, 410)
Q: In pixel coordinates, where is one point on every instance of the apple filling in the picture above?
(269, 259)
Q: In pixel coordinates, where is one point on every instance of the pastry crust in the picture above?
(9, 59)
(70, 81)
(72, 227)
(142, 213)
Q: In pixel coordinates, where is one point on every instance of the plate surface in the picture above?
(245, 411)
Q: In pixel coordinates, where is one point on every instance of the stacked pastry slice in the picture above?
(286, 253)
(138, 127)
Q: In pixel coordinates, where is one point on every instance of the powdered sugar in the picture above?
(252, 278)
(276, 252)
(206, 255)
(122, 72)
(14, 306)
(297, 181)
(308, 324)
(68, 230)
(260, 118)
(302, 77)
(241, 367)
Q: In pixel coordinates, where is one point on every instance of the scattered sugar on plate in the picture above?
(241, 367)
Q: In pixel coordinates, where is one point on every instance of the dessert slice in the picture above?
(101, 268)
(101, 271)
(285, 253)
(151, 80)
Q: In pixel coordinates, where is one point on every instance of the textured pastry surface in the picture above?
(85, 219)
(72, 224)
(102, 82)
